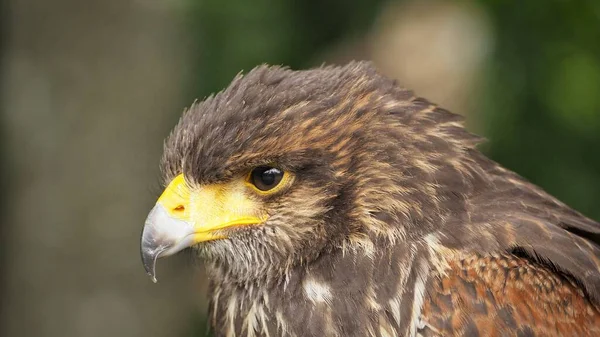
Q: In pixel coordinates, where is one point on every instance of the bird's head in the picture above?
(284, 165)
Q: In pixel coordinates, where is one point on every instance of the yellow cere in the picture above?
(175, 198)
(211, 207)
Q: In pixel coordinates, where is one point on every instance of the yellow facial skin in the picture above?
(185, 215)
(210, 208)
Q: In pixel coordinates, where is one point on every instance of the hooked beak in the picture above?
(182, 218)
(163, 236)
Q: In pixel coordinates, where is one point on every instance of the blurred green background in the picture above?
(90, 89)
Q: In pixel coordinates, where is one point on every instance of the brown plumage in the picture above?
(393, 223)
(494, 294)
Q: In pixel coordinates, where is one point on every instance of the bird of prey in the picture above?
(332, 202)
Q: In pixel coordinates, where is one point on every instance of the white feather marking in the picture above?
(415, 319)
(263, 320)
(395, 307)
(281, 324)
(230, 315)
(385, 329)
(395, 303)
(250, 323)
(439, 253)
(317, 292)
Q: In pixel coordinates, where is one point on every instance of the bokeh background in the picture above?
(89, 90)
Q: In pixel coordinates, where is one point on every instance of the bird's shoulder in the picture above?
(505, 294)
(513, 216)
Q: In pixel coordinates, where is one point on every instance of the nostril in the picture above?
(179, 208)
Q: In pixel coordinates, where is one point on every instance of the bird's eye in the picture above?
(266, 178)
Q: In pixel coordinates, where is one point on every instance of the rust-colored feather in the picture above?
(505, 295)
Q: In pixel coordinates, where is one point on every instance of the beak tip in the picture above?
(162, 236)
(149, 261)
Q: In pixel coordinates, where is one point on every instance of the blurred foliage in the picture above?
(542, 103)
(541, 106)
(235, 35)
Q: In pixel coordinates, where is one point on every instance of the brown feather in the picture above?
(504, 295)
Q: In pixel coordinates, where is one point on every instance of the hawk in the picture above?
(332, 202)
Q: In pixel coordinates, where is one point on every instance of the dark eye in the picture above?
(266, 178)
